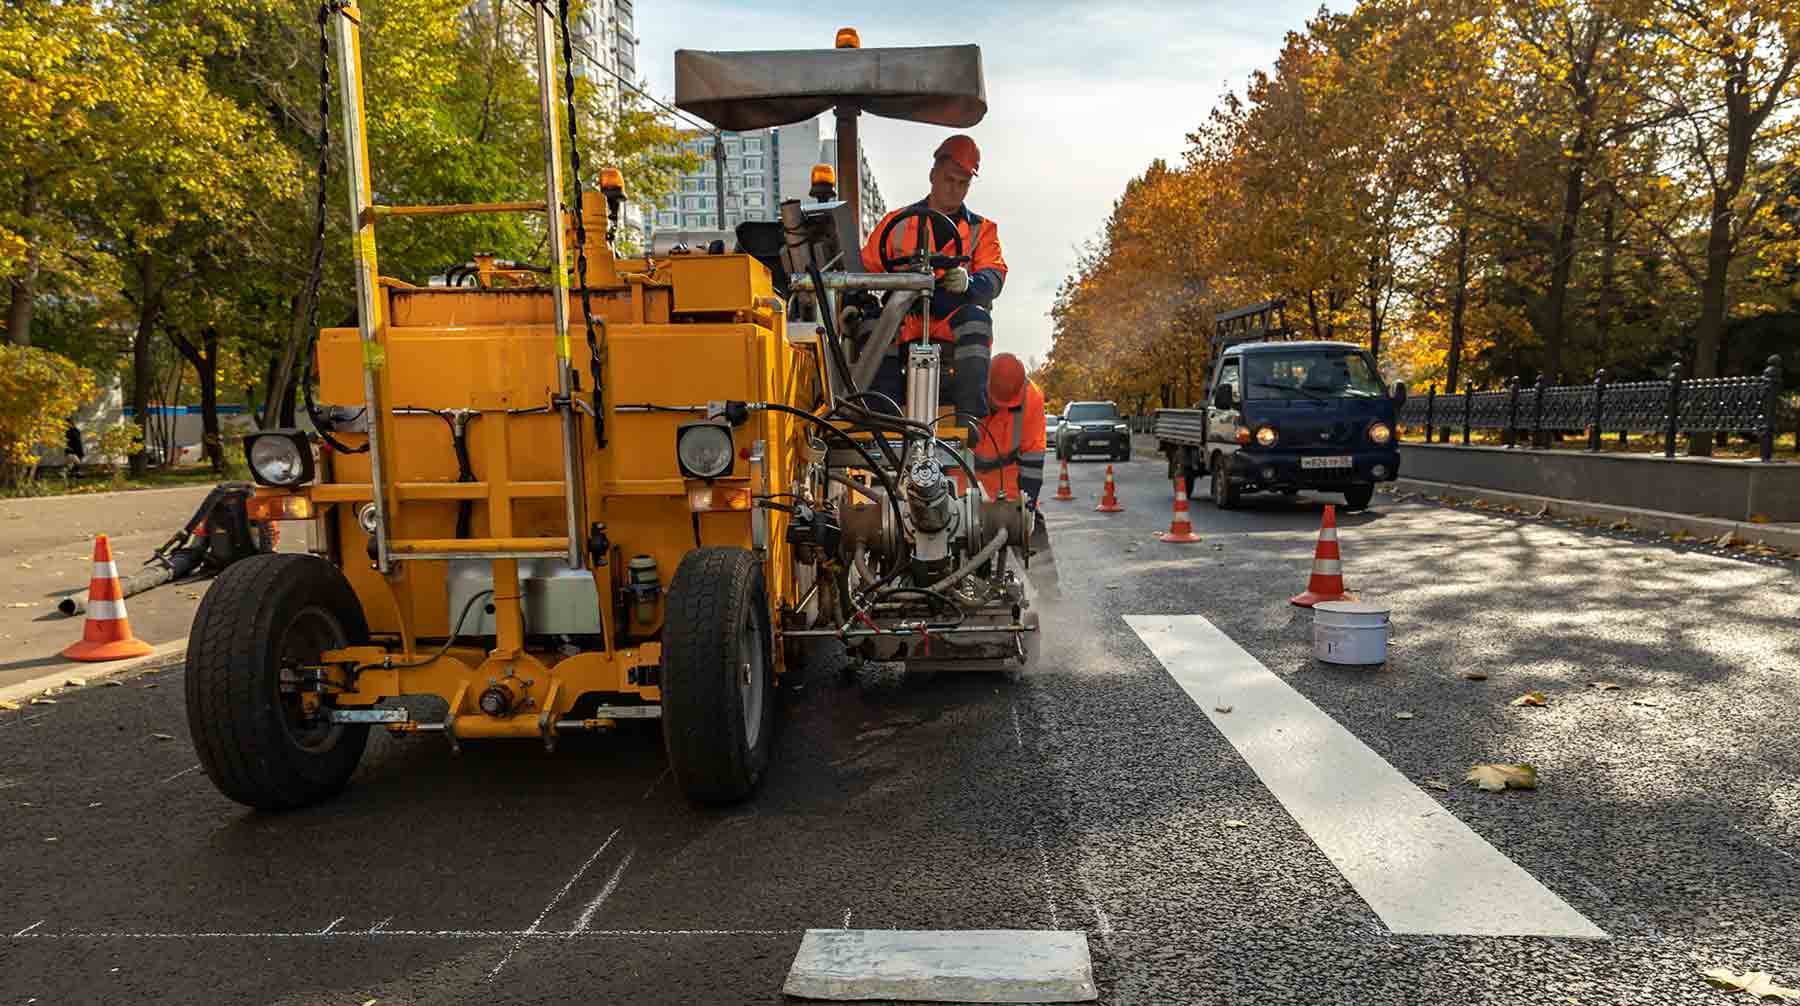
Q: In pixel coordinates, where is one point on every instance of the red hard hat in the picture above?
(1006, 381)
(962, 150)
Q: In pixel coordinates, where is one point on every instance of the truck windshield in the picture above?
(1310, 373)
(1092, 413)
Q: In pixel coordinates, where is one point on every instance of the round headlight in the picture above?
(704, 451)
(1380, 433)
(277, 460)
(1266, 436)
(366, 517)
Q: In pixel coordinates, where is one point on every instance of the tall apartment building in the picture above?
(763, 168)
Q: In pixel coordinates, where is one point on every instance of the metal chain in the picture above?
(595, 338)
(326, 10)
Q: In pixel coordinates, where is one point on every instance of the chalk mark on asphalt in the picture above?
(377, 928)
(612, 883)
(1037, 834)
(1017, 734)
(655, 783)
(846, 918)
(427, 934)
(327, 930)
(539, 921)
(40, 922)
(179, 774)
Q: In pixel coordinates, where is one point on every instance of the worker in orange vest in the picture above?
(1009, 447)
(960, 306)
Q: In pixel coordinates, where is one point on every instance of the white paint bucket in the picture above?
(1350, 632)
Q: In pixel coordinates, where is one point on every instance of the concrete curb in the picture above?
(1782, 536)
(162, 653)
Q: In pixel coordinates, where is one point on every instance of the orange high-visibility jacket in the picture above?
(1009, 452)
(987, 266)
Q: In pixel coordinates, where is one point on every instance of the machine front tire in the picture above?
(1358, 497)
(263, 618)
(718, 688)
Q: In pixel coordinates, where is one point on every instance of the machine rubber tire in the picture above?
(716, 661)
(261, 609)
(1224, 492)
(1358, 497)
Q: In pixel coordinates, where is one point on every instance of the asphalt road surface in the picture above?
(1107, 792)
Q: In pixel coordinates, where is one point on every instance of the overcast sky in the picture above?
(1080, 97)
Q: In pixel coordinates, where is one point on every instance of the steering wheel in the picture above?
(926, 217)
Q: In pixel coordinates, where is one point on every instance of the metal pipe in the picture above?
(559, 278)
(849, 163)
(129, 586)
(893, 313)
(864, 281)
(362, 225)
(987, 552)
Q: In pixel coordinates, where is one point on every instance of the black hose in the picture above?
(455, 631)
(887, 481)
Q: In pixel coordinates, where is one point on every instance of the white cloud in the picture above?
(1081, 97)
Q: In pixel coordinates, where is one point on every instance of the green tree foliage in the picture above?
(39, 392)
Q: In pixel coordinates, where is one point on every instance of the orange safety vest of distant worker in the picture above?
(1009, 449)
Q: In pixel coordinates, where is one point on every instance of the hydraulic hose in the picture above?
(986, 553)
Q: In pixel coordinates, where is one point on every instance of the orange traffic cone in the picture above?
(1109, 500)
(1327, 583)
(1180, 529)
(106, 634)
(1062, 484)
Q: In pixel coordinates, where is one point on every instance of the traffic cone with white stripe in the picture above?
(1109, 500)
(1181, 530)
(1327, 583)
(1062, 484)
(106, 634)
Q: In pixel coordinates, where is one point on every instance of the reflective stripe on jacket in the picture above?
(987, 266)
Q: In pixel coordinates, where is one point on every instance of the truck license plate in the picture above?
(1335, 462)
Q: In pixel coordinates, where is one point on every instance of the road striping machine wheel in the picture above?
(263, 619)
(718, 675)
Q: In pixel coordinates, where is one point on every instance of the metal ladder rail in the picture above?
(371, 325)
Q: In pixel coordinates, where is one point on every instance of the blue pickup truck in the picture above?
(1285, 416)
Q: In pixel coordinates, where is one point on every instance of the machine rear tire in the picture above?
(718, 688)
(265, 615)
(1358, 497)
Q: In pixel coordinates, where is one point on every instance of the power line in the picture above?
(589, 53)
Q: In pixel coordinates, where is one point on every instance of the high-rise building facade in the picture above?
(605, 45)
(763, 168)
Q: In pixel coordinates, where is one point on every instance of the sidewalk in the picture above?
(47, 551)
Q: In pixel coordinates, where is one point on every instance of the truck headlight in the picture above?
(1266, 436)
(279, 457)
(704, 450)
(1380, 433)
(1121, 427)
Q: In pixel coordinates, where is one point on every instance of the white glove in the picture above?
(956, 280)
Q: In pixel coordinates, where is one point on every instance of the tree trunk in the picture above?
(1709, 334)
(1609, 274)
(149, 314)
(205, 360)
(24, 285)
(1562, 261)
(1374, 291)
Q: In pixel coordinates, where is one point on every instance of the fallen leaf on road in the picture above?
(50, 838)
(1531, 699)
(19, 604)
(1495, 778)
(1726, 540)
(1221, 709)
(76, 683)
(1621, 525)
(24, 565)
(7, 707)
(163, 737)
(1681, 536)
(1543, 511)
(110, 683)
(1474, 675)
(1606, 686)
(1758, 983)
(1403, 716)
(41, 701)
(1437, 784)
(1235, 823)
(151, 685)
(91, 806)
(369, 1002)
(1643, 702)
(1759, 518)
(1112, 586)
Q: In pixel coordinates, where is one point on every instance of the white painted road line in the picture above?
(1420, 869)
(973, 966)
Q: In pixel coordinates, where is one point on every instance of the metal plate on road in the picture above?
(971, 966)
(1337, 461)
